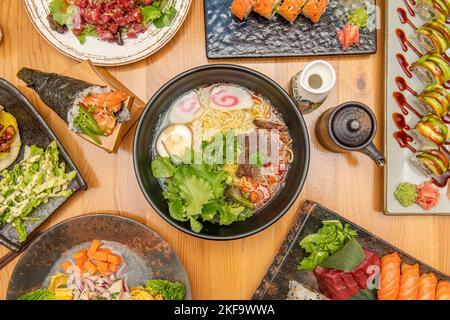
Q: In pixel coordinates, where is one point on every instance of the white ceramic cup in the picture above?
(311, 86)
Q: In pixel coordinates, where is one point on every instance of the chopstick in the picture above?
(6, 259)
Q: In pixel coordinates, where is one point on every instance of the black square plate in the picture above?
(33, 131)
(275, 285)
(227, 37)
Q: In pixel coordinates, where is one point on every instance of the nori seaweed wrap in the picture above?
(68, 96)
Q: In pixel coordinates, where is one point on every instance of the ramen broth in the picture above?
(261, 143)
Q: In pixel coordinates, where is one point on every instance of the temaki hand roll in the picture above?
(87, 108)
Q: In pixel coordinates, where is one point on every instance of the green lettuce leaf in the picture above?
(196, 192)
(162, 168)
(169, 290)
(40, 294)
(61, 13)
(331, 238)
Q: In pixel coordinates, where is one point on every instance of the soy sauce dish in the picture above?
(221, 152)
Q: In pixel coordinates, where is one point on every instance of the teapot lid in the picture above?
(353, 125)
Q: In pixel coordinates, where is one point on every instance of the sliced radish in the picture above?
(230, 97)
(174, 140)
(186, 109)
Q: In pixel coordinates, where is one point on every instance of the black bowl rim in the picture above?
(240, 69)
(102, 215)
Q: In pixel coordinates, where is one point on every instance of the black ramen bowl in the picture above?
(147, 132)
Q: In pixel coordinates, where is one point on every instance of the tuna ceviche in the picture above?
(109, 20)
(95, 272)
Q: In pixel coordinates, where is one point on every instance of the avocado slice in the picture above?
(442, 64)
(434, 104)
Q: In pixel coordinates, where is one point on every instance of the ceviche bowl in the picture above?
(149, 128)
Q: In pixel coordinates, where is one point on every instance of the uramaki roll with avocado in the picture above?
(87, 108)
(433, 129)
(432, 69)
(434, 36)
(435, 99)
(428, 9)
(432, 162)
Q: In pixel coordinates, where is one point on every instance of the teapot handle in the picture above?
(376, 155)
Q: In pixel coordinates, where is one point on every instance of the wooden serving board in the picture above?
(275, 284)
(88, 72)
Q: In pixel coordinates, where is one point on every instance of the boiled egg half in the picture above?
(174, 140)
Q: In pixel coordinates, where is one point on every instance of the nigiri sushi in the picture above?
(314, 9)
(290, 9)
(443, 290)
(390, 277)
(427, 287)
(242, 8)
(266, 8)
(409, 282)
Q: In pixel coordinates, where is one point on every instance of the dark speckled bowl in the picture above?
(151, 257)
(146, 135)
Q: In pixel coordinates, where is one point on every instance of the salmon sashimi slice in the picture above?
(112, 100)
(266, 8)
(390, 277)
(427, 287)
(242, 8)
(314, 9)
(106, 121)
(290, 9)
(409, 282)
(443, 290)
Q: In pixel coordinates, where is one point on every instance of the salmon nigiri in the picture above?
(390, 277)
(290, 9)
(409, 282)
(314, 9)
(242, 8)
(443, 290)
(427, 287)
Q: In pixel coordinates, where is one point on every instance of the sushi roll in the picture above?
(432, 69)
(267, 8)
(431, 162)
(242, 8)
(435, 99)
(291, 9)
(87, 108)
(434, 36)
(428, 9)
(314, 9)
(431, 131)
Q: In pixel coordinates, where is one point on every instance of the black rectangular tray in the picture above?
(227, 37)
(33, 131)
(275, 284)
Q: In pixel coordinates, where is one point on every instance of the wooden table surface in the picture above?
(349, 184)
